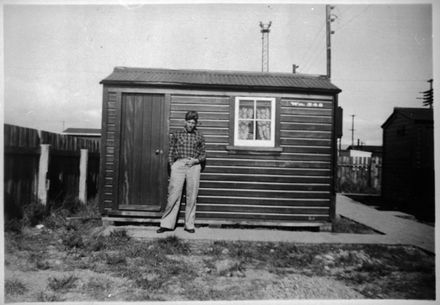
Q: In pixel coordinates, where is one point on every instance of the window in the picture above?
(254, 122)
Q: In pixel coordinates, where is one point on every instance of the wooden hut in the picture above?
(273, 168)
(408, 161)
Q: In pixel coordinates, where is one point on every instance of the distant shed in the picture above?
(271, 144)
(408, 161)
(83, 133)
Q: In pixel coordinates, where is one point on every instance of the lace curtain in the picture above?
(247, 120)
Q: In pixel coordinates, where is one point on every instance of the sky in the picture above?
(56, 55)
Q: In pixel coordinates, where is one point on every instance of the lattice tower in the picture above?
(265, 29)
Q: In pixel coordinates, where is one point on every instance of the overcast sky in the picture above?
(55, 56)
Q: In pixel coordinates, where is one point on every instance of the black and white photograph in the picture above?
(246, 152)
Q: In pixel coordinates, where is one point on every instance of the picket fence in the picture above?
(359, 175)
(44, 166)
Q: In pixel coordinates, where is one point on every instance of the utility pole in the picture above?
(265, 29)
(428, 96)
(352, 129)
(329, 18)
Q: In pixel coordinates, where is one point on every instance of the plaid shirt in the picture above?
(184, 144)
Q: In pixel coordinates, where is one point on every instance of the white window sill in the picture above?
(254, 149)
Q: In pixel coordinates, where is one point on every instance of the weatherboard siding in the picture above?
(294, 185)
(109, 149)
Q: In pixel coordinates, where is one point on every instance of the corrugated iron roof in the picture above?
(211, 78)
(414, 114)
(418, 114)
(370, 148)
(82, 131)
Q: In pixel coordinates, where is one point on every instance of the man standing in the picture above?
(186, 153)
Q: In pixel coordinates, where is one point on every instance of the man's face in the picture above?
(190, 125)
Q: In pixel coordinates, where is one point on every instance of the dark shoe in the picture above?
(190, 230)
(161, 230)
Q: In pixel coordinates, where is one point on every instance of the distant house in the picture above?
(84, 133)
(358, 153)
(408, 161)
(365, 151)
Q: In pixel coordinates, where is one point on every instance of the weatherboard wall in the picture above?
(294, 184)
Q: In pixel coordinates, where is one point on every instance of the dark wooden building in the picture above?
(270, 140)
(408, 161)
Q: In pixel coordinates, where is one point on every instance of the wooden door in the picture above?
(143, 157)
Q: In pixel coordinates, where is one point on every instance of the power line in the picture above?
(313, 52)
(329, 18)
(308, 58)
(351, 19)
(316, 53)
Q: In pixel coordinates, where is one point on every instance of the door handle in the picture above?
(159, 151)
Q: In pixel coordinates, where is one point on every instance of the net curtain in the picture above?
(247, 120)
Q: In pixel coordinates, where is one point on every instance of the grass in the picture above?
(170, 268)
(98, 284)
(14, 287)
(53, 215)
(64, 283)
(157, 266)
(172, 245)
(45, 296)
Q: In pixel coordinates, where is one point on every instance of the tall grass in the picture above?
(14, 287)
(53, 215)
(64, 283)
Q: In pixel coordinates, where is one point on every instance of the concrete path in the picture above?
(396, 230)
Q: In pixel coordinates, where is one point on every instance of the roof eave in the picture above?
(82, 134)
(388, 120)
(220, 86)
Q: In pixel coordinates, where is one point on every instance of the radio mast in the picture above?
(265, 29)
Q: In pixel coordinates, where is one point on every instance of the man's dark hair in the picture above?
(192, 115)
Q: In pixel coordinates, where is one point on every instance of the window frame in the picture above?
(245, 146)
(255, 142)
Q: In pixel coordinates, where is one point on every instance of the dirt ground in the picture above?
(79, 262)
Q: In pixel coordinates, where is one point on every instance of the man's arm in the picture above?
(202, 150)
(172, 148)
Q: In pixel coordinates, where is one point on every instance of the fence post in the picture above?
(43, 183)
(83, 175)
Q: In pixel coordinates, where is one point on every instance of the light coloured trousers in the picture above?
(179, 173)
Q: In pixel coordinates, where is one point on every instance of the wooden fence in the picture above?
(359, 175)
(45, 166)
